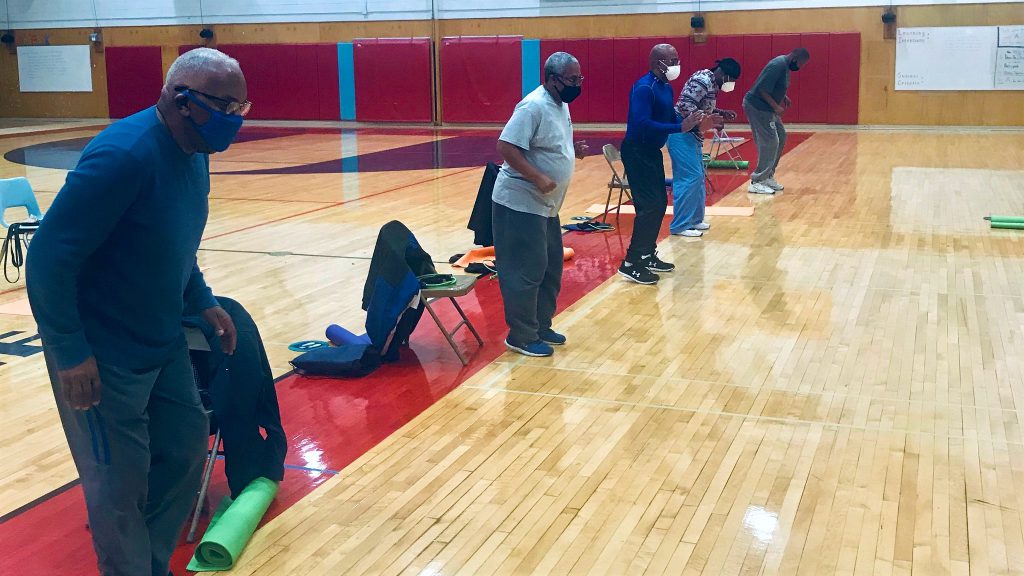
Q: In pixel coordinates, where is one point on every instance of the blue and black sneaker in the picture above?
(551, 337)
(537, 348)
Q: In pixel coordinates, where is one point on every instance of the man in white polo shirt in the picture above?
(540, 156)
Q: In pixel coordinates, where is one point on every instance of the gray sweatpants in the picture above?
(140, 456)
(770, 139)
(528, 252)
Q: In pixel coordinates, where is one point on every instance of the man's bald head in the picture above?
(664, 52)
(663, 56)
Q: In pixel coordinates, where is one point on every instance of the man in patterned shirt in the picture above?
(686, 149)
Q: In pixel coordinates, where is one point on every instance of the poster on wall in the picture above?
(54, 68)
(960, 58)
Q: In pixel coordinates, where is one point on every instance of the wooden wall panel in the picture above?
(879, 104)
(14, 103)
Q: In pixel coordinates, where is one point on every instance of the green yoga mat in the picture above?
(232, 526)
(1011, 219)
(1009, 225)
(740, 165)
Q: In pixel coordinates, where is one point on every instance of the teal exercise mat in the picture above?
(231, 527)
(1005, 219)
(1009, 225)
(720, 164)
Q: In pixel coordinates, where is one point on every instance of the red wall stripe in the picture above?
(135, 77)
(813, 86)
(475, 74)
(478, 74)
(393, 79)
(843, 78)
(328, 97)
(288, 81)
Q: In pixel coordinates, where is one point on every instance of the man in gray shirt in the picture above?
(764, 105)
(539, 158)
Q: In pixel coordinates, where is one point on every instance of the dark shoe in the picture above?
(638, 274)
(655, 264)
(551, 337)
(536, 349)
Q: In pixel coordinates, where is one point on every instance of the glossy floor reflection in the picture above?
(828, 386)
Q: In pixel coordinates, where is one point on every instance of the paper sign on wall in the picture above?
(54, 68)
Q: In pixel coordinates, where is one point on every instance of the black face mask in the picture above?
(569, 93)
(794, 66)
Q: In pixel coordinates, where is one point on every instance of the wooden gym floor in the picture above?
(828, 386)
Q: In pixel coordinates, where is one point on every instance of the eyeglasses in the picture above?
(572, 80)
(230, 107)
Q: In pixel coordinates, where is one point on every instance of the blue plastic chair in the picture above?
(16, 192)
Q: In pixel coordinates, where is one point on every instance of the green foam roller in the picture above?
(1011, 219)
(738, 165)
(231, 527)
(1008, 225)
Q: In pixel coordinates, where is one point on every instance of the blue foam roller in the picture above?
(341, 337)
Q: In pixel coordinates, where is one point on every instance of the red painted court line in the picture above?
(331, 422)
(275, 200)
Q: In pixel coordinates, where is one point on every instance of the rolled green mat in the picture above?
(1009, 225)
(232, 526)
(1013, 219)
(738, 165)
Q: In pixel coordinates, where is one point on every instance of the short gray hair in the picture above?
(557, 63)
(198, 60)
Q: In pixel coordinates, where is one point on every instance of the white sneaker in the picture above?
(771, 183)
(759, 188)
(691, 233)
(702, 226)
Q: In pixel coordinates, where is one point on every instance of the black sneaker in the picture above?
(655, 264)
(538, 348)
(638, 274)
(551, 337)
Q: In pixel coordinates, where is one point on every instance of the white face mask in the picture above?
(728, 87)
(672, 73)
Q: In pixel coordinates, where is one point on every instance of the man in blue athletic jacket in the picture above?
(652, 117)
(109, 273)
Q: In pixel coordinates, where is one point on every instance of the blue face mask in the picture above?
(220, 130)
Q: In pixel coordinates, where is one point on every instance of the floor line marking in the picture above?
(746, 416)
(335, 205)
(768, 389)
(29, 505)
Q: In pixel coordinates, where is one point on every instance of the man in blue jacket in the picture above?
(652, 117)
(109, 273)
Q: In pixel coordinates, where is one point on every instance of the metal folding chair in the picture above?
(463, 285)
(197, 344)
(722, 141)
(614, 159)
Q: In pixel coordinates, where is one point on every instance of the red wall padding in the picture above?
(731, 47)
(629, 56)
(135, 77)
(328, 98)
(813, 78)
(379, 62)
(481, 78)
(843, 78)
(757, 51)
(826, 91)
(288, 81)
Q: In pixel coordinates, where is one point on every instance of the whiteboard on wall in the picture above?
(54, 68)
(960, 58)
